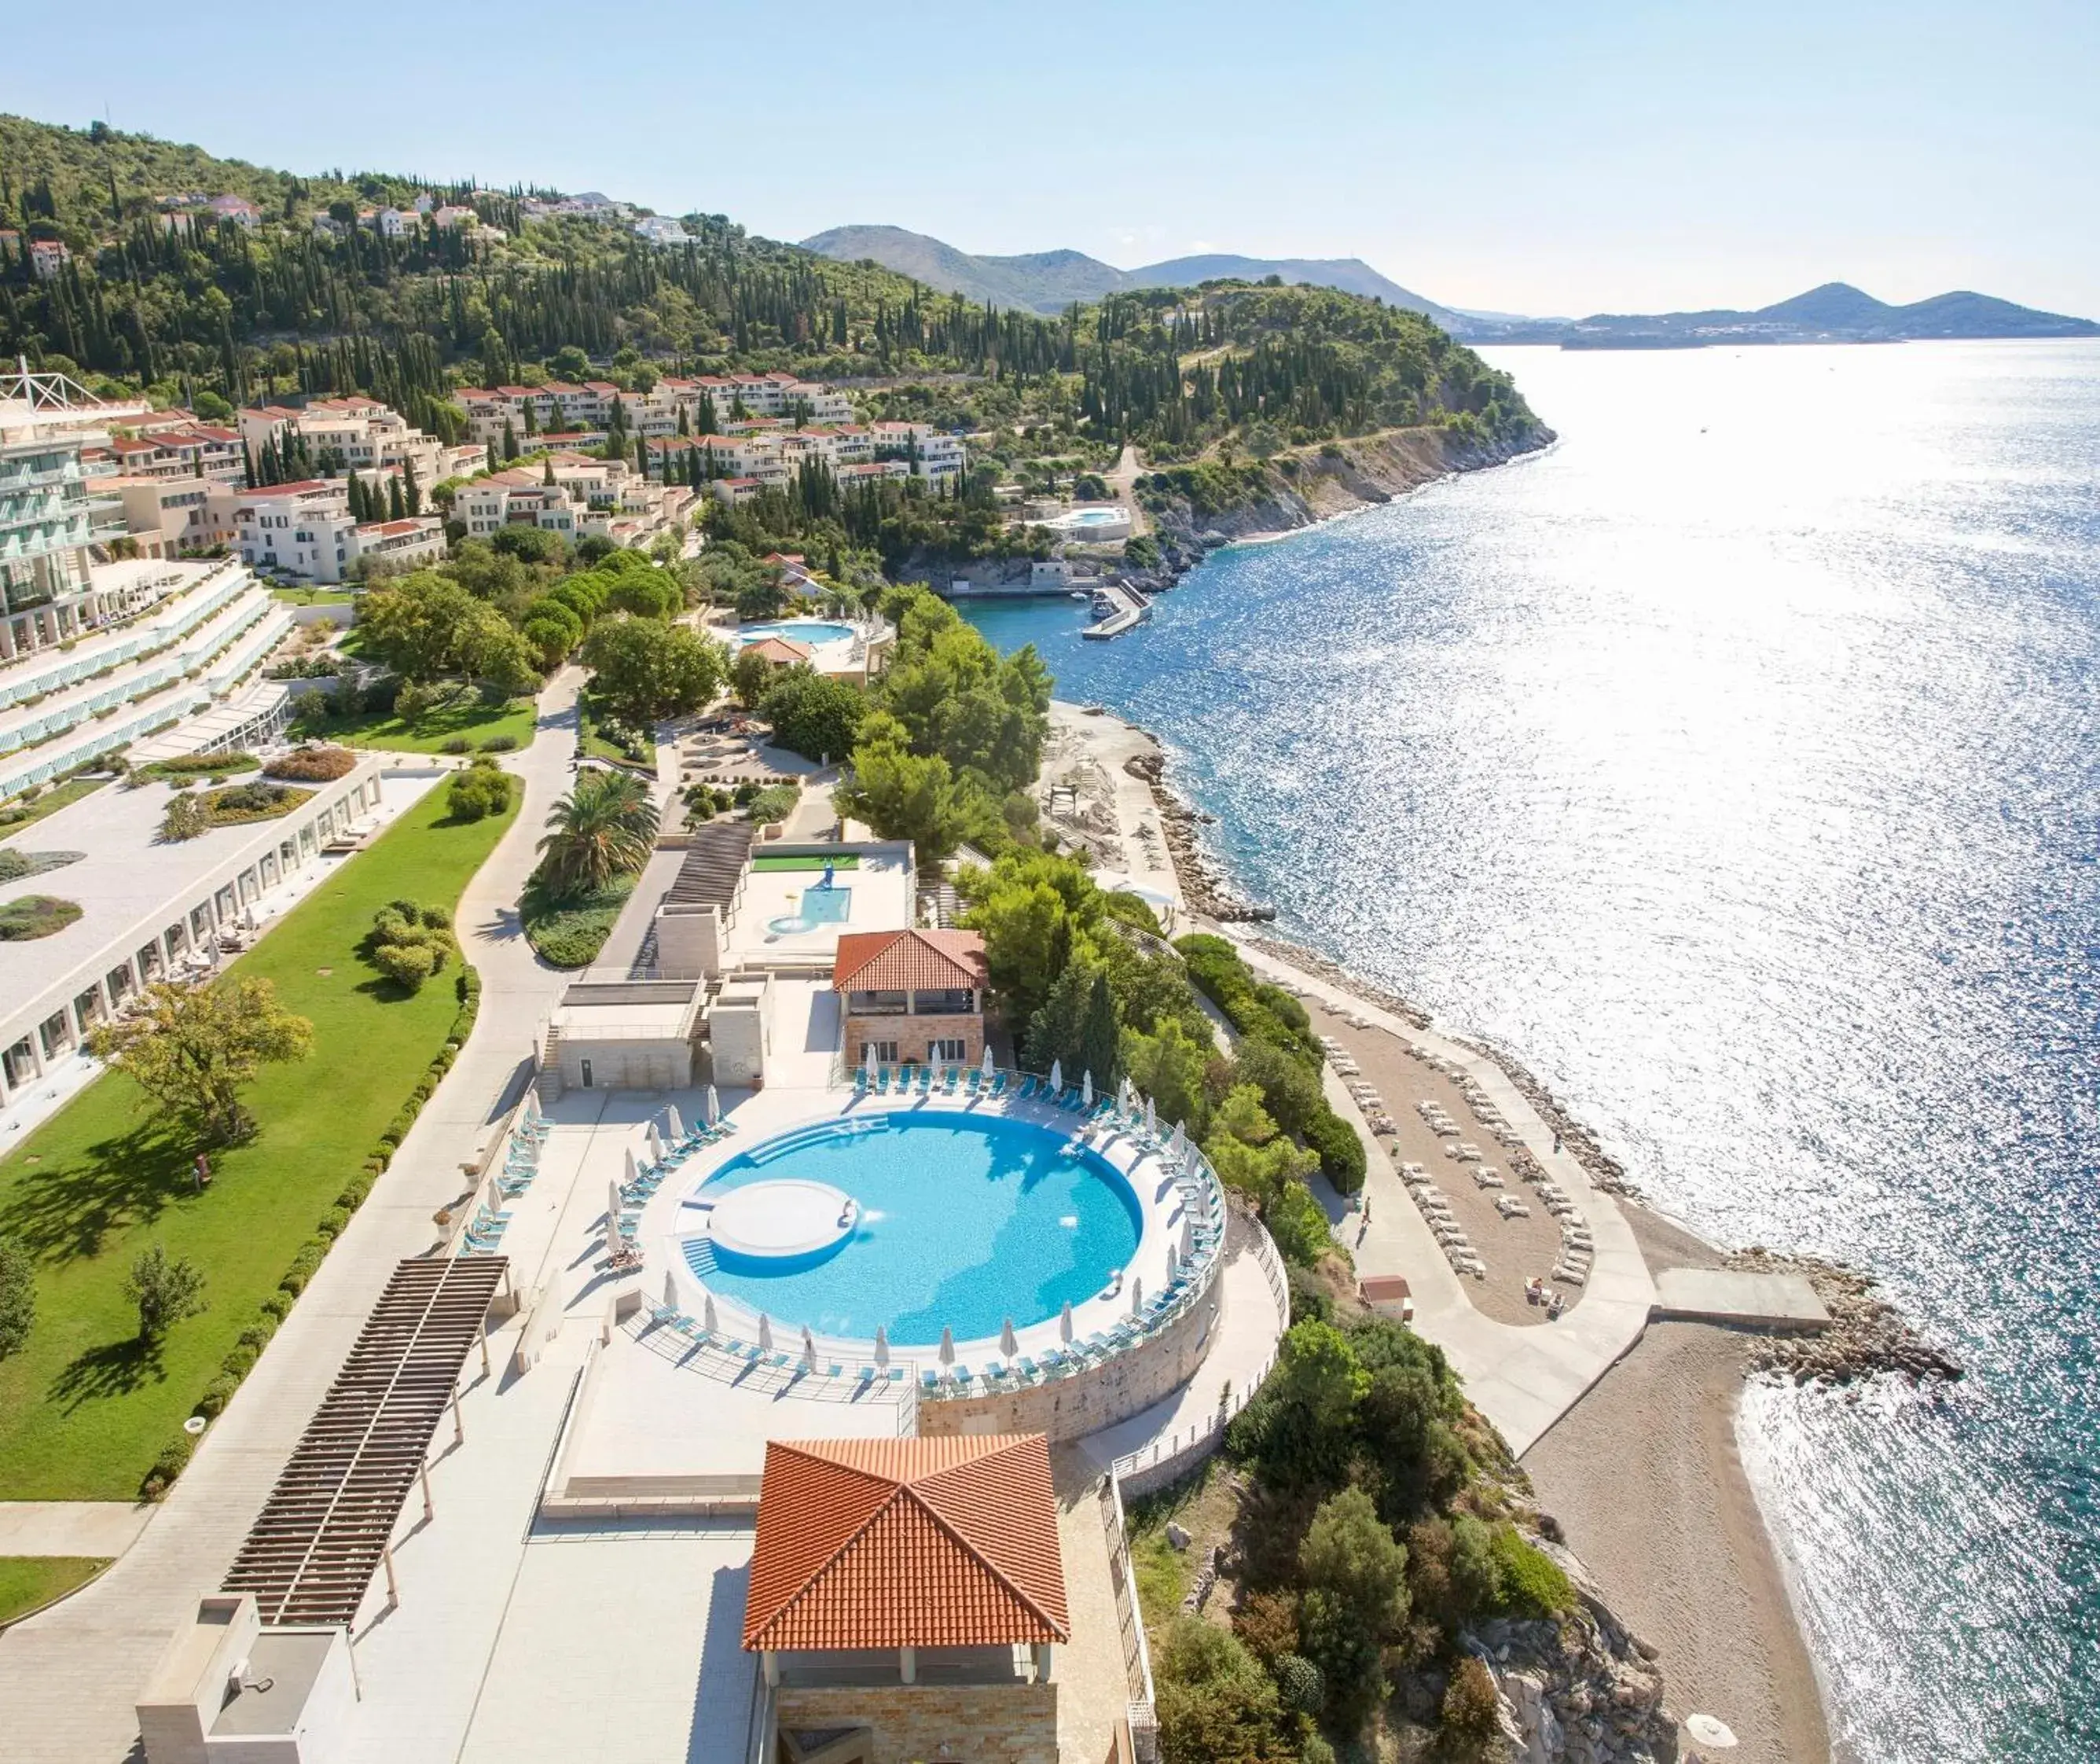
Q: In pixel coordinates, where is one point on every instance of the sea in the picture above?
(1735, 764)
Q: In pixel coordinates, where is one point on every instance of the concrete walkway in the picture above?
(71, 1528)
(67, 1678)
(1522, 1378)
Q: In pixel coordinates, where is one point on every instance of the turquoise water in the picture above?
(965, 1222)
(799, 630)
(817, 906)
(1737, 765)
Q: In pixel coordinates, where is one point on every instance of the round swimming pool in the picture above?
(817, 631)
(962, 1222)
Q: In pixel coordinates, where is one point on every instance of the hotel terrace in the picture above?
(824, 1375)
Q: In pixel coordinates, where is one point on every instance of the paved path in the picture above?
(67, 1677)
(71, 1528)
(1522, 1378)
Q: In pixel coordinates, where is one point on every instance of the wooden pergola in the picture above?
(313, 1549)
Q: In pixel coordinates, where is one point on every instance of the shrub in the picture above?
(457, 743)
(1341, 1149)
(173, 1457)
(1531, 1582)
(483, 790)
(1295, 1221)
(500, 744)
(217, 1394)
(1267, 1623)
(240, 1359)
(333, 1222)
(1471, 1707)
(409, 942)
(777, 803)
(18, 1296)
(1299, 1684)
(187, 818)
(313, 764)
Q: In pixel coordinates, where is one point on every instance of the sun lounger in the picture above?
(999, 1083)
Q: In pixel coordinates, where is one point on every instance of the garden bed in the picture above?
(570, 934)
(27, 918)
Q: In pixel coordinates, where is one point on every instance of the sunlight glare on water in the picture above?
(1737, 765)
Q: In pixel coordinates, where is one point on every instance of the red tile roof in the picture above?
(782, 653)
(908, 961)
(918, 1542)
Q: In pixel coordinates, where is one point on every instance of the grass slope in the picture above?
(475, 722)
(83, 1409)
(58, 796)
(28, 1582)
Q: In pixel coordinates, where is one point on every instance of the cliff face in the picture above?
(1315, 483)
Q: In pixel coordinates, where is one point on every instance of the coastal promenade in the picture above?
(67, 1678)
(1522, 1378)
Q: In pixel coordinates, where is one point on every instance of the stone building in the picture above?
(911, 996)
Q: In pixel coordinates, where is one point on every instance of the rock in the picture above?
(1176, 1536)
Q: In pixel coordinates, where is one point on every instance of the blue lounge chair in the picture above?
(973, 1081)
(999, 1083)
(925, 1079)
(948, 1081)
(929, 1380)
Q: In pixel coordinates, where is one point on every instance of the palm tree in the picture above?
(604, 828)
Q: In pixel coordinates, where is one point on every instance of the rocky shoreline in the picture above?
(1309, 485)
(1867, 1335)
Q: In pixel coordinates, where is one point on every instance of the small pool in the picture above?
(1095, 517)
(962, 1222)
(817, 906)
(817, 631)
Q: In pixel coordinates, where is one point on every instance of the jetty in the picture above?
(1126, 609)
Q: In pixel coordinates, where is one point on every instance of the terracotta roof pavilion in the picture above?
(934, 1542)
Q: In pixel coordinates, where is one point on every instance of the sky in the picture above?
(1550, 159)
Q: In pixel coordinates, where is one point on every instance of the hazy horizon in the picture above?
(1636, 159)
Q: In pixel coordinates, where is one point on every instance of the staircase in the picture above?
(548, 1075)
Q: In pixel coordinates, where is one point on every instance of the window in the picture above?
(949, 1052)
(875, 1003)
(885, 1053)
(954, 1001)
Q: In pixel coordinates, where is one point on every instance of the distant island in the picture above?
(1048, 281)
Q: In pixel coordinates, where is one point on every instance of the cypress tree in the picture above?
(509, 442)
(412, 492)
(396, 506)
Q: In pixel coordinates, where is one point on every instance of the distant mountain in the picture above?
(1048, 281)
(1835, 312)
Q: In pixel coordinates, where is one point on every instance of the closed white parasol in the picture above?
(633, 1169)
(1086, 1089)
(808, 1350)
(655, 1144)
(947, 1346)
(882, 1347)
(985, 1065)
(1057, 1075)
(714, 1106)
(1008, 1345)
(670, 1290)
(1064, 1321)
(764, 1333)
(677, 1121)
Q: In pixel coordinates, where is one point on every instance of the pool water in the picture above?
(965, 1220)
(817, 906)
(797, 630)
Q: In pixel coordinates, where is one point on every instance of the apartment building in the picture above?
(934, 453)
(588, 498)
(360, 436)
(672, 404)
(305, 532)
(169, 517)
(192, 450)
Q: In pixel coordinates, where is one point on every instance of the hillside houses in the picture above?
(673, 405)
(587, 498)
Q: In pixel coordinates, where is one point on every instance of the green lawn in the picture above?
(570, 933)
(474, 721)
(84, 1410)
(313, 597)
(27, 1582)
(55, 797)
